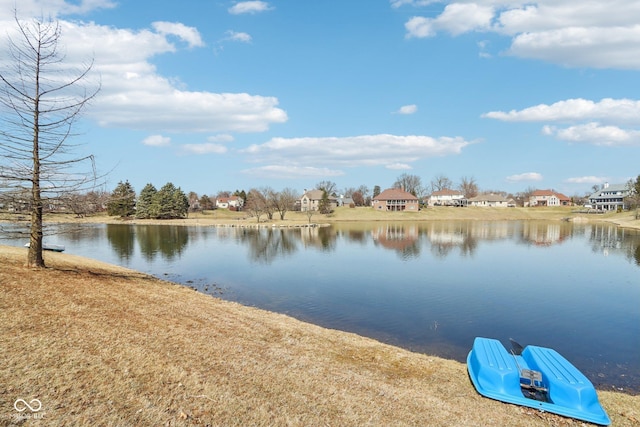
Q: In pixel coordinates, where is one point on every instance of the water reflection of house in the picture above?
(485, 230)
(543, 234)
(395, 199)
(395, 236)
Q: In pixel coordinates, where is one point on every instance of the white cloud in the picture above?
(187, 34)
(596, 134)
(157, 141)
(597, 33)
(408, 109)
(53, 8)
(529, 176)
(399, 166)
(291, 172)
(238, 36)
(135, 96)
(457, 18)
(416, 3)
(605, 131)
(587, 180)
(249, 7)
(614, 110)
(419, 27)
(365, 150)
(206, 148)
(223, 137)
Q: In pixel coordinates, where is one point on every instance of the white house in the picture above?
(232, 203)
(446, 197)
(310, 200)
(610, 197)
(491, 200)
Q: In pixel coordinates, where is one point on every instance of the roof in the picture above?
(549, 193)
(316, 195)
(612, 188)
(489, 198)
(395, 194)
(447, 192)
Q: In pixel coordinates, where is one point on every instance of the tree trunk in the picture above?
(34, 257)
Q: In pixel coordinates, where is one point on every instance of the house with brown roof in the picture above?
(446, 197)
(548, 198)
(231, 203)
(395, 199)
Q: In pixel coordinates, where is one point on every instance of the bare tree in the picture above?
(633, 199)
(42, 102)
(468, 187)
(329, 186)
(441, 182)
(256, 203)
(358, 198)
(284, 201)
(409, 183)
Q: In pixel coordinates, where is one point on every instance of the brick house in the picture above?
(548, 198)
(396, 199)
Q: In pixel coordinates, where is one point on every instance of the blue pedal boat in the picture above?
(535, 377)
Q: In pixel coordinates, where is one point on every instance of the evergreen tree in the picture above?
(376, 191)
(180, 204)
(171, 202)
(145, 207)
(122, 202)
(205, 202)
(242, 194)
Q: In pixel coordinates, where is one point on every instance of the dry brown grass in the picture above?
(102, 345)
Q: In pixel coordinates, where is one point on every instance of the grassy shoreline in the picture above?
(224, 217)
(102, 345)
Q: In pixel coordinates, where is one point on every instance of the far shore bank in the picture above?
(98, 344)
(226, 218)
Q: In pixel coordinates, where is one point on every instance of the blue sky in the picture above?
(216, 95)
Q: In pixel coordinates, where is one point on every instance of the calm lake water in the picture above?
(430, 287)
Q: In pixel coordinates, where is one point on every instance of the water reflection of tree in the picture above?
(267, 245)
(168, 240)
(609, 239)
(122, 239)
(323, 238)
(636, 254)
